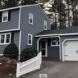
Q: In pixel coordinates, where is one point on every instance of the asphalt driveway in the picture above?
(56, 69)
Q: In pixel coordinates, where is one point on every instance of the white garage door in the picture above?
(71, 50)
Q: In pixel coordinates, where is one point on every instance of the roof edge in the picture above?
(18, 7)
(64, 34)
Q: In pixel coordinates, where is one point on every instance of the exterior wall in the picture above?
(66, 37)
(53, 51)
(34, 29)
(15, 40)
(12, 23)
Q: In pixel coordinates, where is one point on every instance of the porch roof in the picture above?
(67, 31)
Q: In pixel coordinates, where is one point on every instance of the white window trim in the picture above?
(28, 39)
(45, 22)
(5, 39)
(2, 16)
(30, 14)
(52, 44)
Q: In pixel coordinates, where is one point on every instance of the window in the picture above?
(8, 38)
(54, 41)
(5, 38)
(45, 25)
(29, 39)
(2, 38)
(30, 18)
(5, 16)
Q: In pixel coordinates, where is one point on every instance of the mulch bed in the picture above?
(7, 68)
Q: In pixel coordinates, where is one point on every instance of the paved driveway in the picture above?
(57, 69)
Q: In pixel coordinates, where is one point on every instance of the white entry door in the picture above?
(71, 50)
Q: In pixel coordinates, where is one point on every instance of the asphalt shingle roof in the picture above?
(73, 29)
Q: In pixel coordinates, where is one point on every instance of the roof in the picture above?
(67, 30)
(18, 7)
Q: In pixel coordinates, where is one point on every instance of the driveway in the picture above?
(56, 69)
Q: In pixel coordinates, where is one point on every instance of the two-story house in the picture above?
(28, 26)
(20, 25)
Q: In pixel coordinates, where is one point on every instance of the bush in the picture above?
(27, 54)
(11, 51)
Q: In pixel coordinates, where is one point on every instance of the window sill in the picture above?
(4, 43)
(55, 45)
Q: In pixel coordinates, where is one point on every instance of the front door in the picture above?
(43, 48)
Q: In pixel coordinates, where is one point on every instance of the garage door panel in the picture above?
(71, 50)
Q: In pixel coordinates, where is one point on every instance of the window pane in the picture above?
(30, 20)
(2, 38)
(29, 37)
(7, 38)
(55, 41)
(4, 18)
(29, 41)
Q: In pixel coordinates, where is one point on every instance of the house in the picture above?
(27, 26)
(59, 44)
(20, 25)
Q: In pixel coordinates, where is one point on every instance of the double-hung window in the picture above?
(5, 16)
(29, 39)
(5, 38)
(45, 25)
(30, 18)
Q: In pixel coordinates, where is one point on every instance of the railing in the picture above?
(29, 66)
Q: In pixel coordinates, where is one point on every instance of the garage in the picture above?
(70, 49)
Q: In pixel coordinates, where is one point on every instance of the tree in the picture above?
(10, 3)
(26, 2)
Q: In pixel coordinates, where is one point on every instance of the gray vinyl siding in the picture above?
(16, 41)
(13, 23)
(38, 21)
(16, 38)
(53, 51)
(2, 47)
(66, 37)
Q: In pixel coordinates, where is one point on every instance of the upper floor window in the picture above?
(45, 25)
(5, 38)
(30, 18)
(5, 16)
(29, 39)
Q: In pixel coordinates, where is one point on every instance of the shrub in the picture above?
(11, 51)
(27, 54)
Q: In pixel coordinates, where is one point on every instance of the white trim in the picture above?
(45, 24)
(6, 16)
(9, 30)
(19, 45)
(63, 47)
(18, 7)
(28, 39)
(5, 39)
(38, 44)
(60, 54)
(1, 54)
(30, 17)
(64, 34)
